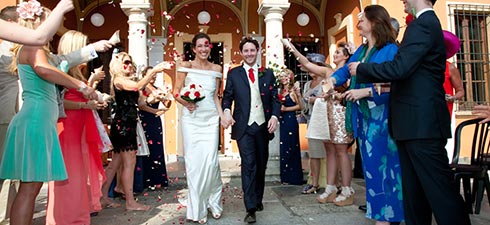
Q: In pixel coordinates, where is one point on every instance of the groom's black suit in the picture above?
(419, 122)
(253, 140)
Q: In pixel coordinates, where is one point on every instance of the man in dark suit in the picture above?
(255, 117)
(419, 118)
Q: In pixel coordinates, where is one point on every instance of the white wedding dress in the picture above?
(200, 131)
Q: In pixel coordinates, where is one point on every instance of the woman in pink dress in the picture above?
(71, 201)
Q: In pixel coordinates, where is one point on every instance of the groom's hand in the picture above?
(227, 119)
(272, 125)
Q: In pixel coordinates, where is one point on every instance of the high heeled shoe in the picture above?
(345, 198)
(310, 189)
(329, 195)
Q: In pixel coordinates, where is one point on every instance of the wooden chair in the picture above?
(478, 167)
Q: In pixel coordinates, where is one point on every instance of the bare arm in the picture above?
(293, 108)
(130, 85)
(16, 33)
(179, 84)
(144, 106)
(455, 78)
(37, 59)
(483, 112)
(217, 101)
(305, 63)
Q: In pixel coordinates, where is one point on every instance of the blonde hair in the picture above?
(116, 67)
(72, 41)
(289, 74)
(31, 24)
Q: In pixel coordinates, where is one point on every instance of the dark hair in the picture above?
(382, 30)
(9, 13)
(145, 70)
(199, 36)
(246, 40)
(396, 26)
(344, 46)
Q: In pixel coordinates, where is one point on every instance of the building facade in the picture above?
(156, 30)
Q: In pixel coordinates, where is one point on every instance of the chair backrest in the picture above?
(479, 144)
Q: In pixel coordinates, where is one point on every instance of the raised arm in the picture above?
(16, 33)
(305, 63)
(37, 59)
(130, 85)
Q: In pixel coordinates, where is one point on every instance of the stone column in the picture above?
(273, 11)
(137, 12)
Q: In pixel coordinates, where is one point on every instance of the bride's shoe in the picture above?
(216, 216)
(203, 221)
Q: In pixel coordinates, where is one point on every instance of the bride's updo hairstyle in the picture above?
(199, 36)
(31, 15)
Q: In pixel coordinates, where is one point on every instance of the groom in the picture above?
(254, 120)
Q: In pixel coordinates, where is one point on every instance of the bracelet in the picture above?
(82, 87)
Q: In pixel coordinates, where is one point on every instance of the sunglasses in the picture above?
(128, 62)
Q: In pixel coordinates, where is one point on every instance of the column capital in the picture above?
(276, 6)
(132, 6)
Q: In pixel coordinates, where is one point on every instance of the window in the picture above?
(472, 26)
(304, 45)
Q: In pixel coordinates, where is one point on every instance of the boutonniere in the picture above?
(261, 71)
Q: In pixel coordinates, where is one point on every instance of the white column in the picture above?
(137, 10)
(273, 10)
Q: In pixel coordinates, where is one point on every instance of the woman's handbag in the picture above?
(143, 149)
(318, 126)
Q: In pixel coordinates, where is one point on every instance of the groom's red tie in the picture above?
(251, 75)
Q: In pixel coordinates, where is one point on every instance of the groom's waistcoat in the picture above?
(256, 106)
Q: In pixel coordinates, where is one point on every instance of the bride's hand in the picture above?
(191, 106)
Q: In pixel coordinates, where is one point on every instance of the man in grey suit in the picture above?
(419, 118)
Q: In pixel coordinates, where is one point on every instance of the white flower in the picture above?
(30, 9)
(192, 96)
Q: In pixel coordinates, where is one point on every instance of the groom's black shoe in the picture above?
(250, 218)
(260, 207)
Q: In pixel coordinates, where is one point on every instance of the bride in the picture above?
(200, 130)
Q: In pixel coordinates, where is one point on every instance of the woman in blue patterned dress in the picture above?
(367, 118)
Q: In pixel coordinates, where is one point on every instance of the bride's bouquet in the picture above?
(192, 93)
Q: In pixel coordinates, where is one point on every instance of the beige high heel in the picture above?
(329, 195)
(346, 197)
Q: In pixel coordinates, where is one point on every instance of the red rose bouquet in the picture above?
(192, 93)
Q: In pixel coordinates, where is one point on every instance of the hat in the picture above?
(316, 58)
(452, 43)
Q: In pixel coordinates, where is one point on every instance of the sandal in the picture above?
(329, 195)
(345, 198)
(310, 189)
